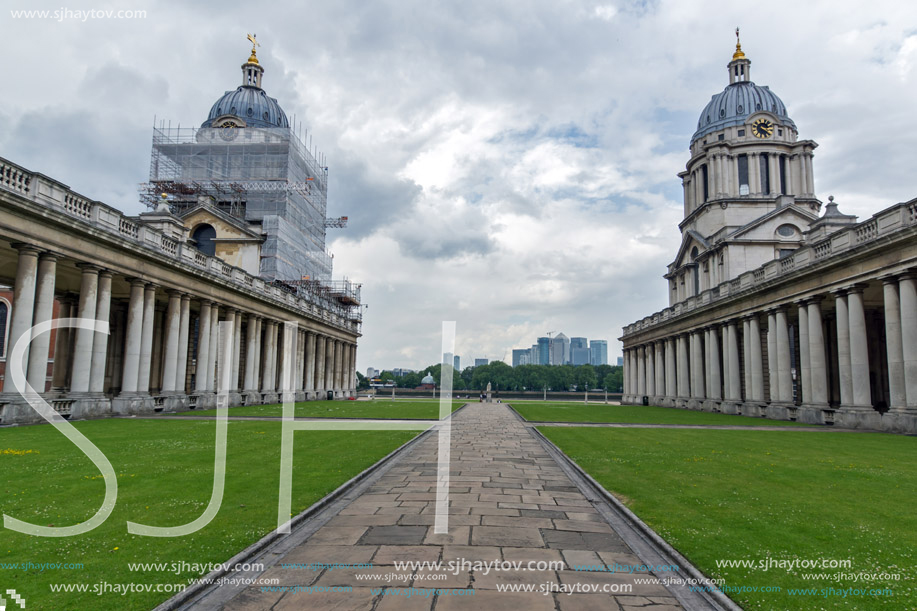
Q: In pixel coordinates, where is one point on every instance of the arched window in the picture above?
(4, 318)
(203, 236)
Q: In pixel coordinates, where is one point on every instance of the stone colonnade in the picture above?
(162, 348)
(821, 359)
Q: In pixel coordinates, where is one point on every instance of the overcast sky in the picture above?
(507, 165)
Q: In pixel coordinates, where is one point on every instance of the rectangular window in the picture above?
(741, 133)
(765, 173)
(743, 174)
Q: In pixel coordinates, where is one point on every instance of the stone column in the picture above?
(805, 374)
(773, 160)
(682, 380)
(236, 350)
(62, 342)
(132, 338)
(818, 362)
(907, 287)
(713, 364)
(757, 363)
(345, 367)
(37, 370)
(259, 340)
(338, 365)
(251, 348)
(203, 347)
(23, 304)
(810, 176)
(722, 336)
(784, 373)
(310, 361)
(732, 356)
(184, 321)
(82, 348)
(353, 367)
(772, 355)
(859, 351)
(746, 353)
(276, 339)
(843, 347)
(329, 363)
(650, 357)
(697, 356)
(213, 356)
(671, 389)
(297, 365)
(100, 341)
(320, 363)
(172, 331)
(660, 368)
(146, 338)
(641, 373)
(267, 376)
(893, 344)
(754, 179)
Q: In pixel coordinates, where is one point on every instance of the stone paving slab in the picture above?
(510, 501)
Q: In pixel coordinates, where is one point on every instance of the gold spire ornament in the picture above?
(253, 38)
(738, 54)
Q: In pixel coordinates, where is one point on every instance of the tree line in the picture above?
(524, 377)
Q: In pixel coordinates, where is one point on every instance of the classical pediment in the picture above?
(775, 225)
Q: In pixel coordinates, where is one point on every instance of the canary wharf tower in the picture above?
(253, 178)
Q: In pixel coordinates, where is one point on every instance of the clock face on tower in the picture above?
(762, 128)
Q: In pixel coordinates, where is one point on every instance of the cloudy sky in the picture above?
(510, 165)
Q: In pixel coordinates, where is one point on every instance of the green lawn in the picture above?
(377, 408)
(165, 471)
(719, 495)
(636, 414)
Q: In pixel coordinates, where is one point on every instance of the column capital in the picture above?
(841, 292)
(859, 287)
(175, 292)
(28, 249)
(185, 297)
(48, 256)
(136, 281)
(205, 303)
(89, 267)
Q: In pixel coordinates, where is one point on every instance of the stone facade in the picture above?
(68, 256)
(774, 310)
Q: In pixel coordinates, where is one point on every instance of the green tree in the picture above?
(362, 382)
(585, 377)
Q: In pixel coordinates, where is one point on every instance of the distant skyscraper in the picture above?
(456, 362)
(620, 361)
(560, 349)
(371, 372)
(579, 351)
(598, 349)
(520, 356)
(479, 362)
(447, 357)
(544, 351)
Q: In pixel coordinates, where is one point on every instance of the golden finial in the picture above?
(738, 54)
(253, 38)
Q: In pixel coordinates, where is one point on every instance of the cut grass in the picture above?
(378, 408)
(165, 471)
(721, 495)
(635, 414)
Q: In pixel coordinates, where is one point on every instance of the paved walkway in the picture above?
(510, 501)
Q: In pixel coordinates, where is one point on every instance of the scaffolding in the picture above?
(264, 176)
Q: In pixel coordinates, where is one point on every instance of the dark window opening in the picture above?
(204, 236)
(783, 174)
(743, 174)
(4, 314)
(765, 174)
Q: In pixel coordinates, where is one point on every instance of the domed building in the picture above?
(774, 310)
(427, 383)
(748, 188)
